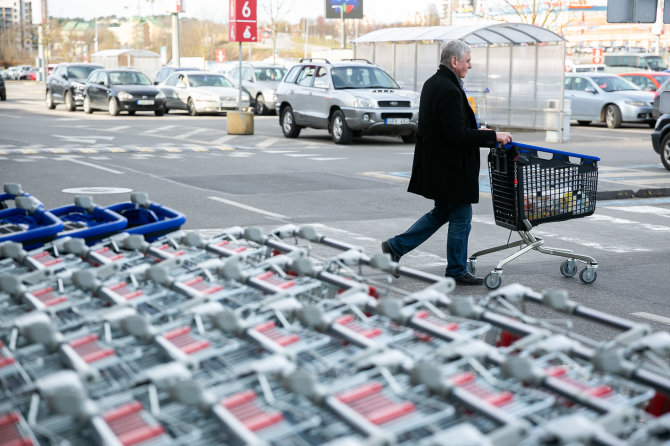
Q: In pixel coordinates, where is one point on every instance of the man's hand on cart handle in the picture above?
(503, 137)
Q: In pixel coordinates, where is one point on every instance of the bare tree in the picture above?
(544, 13)
(275, 11)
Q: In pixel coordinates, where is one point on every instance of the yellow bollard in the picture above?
(240, 123)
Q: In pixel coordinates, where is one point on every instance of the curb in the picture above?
(628, 193)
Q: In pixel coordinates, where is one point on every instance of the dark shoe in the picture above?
(468, 279)
(386, 249)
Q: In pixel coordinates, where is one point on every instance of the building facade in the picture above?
(17, 16)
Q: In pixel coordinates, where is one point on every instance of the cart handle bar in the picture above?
(543, 149)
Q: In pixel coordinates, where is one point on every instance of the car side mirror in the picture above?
(591, 90)
(65, 76)
(155, 82)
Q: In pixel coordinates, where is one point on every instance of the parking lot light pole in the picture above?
(176, 56)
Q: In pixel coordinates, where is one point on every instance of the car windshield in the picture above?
(128, 78)
(80, 72)
(361, 77)
(656, 63)
(660, 78)
(208, 80)
(614, 83)
(269, 74)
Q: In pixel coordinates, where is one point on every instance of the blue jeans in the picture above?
(459, 217)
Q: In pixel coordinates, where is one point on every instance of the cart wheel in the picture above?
(492, 280)
(588, 275)
(569, 268)
(471, 266)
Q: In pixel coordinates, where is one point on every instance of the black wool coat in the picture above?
(446, 155)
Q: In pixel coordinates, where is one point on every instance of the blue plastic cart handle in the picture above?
(544, 149)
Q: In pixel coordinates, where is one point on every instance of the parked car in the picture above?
(646, 80)
(122, 89)
(13, 73)
(66, 84)
(4, 74)
(23, 72)
(665, 86)
(607, 97)
(261, 82)
(201, 92)
(660, 139)
(164, 72)
(3, 90)
(348, 98)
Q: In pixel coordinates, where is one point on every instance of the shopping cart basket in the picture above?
(528, 189)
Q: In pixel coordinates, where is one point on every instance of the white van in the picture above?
(622, 62)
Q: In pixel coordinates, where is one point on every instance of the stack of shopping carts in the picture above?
(293, 337)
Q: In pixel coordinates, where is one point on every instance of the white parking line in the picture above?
(223, 139)
(249, 208)
(266, 143)
(191, 133)
(84, 163)
(652, 317)
(160, 129)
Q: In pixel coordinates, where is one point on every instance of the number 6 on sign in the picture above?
(242, 24)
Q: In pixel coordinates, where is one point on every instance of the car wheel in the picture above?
(87, 105)
(288, 125)
(665, 151)
(409, 139)
(613, 117)
(651, 124)
(160, 111)
(583, 122)
(50, 101)
(191, 107)
(260, 107)
(69, 102)
(113, 107)
(341, 133)
(3, 97)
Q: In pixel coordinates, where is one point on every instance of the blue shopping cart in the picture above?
(28, 223)
(532, 185)
(146, 218)
(88, 221)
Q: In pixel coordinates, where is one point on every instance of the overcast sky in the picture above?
(383, 11)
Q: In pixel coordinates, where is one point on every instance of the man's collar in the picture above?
(460, 81)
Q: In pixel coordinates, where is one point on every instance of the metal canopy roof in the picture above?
(480, 34)
(130, 52)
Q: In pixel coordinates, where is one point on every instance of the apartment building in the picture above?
(17, 15)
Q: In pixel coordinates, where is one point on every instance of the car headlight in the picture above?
(362, 102)
(246, 97)
(125, 96)
(160, 95)
(78, 85)
(415, 102)
(637, 103)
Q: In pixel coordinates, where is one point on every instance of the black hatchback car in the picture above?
(122, 89)
(65, 84)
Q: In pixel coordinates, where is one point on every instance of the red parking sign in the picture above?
(220, 55)
(242, 23)
(597, 57)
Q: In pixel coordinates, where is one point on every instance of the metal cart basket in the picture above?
(532, 185)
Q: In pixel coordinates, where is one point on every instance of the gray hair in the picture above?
(454, 48)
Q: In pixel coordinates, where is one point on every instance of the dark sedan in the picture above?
(3, 90)
(122, 89)
(66, 83)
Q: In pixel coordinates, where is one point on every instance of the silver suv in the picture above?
(349, 98)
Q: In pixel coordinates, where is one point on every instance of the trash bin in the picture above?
(557, 122)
